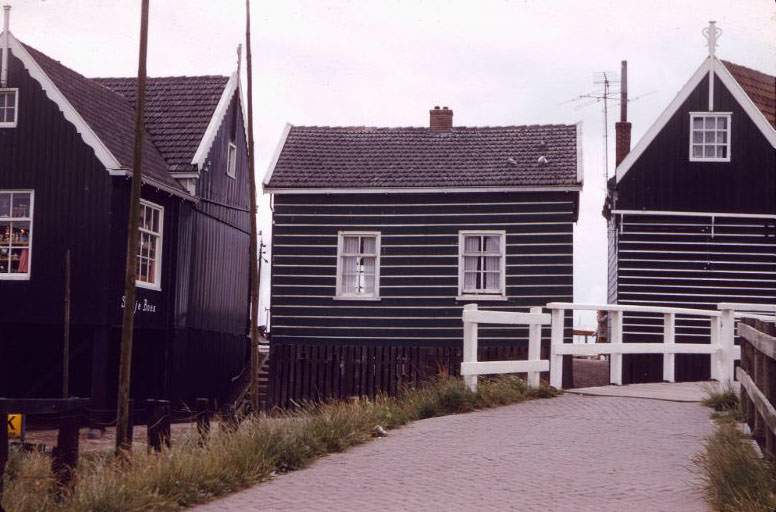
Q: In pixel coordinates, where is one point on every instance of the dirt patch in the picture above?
(590, 372)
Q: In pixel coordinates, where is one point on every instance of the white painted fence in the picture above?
(721, 346)
(471, 368)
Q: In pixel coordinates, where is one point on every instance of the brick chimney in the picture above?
(622, 129)
(440, 119)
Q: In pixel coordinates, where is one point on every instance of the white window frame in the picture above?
(340, 294)
(157, 283)
(18, 276)
(703, 115)
(501, 293)
(231, 160)
(11, 124)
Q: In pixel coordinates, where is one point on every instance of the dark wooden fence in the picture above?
(300, 372)
(757, 375)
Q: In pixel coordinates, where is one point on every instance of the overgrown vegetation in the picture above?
(190, 473)
(734, 476)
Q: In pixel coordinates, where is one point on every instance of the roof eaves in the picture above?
(200, 155)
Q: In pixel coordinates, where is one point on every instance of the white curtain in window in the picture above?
(350, 264)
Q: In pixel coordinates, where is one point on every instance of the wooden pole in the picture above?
(66, 347)
(254, 389)
(123, 442)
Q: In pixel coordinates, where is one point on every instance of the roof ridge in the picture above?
(165, 77)
(426, 128)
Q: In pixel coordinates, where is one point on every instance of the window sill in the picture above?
(148, 286)
(482, 297)
(710, 160)
(14, 277)
(372, 299)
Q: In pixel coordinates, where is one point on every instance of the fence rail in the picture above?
(757, 375)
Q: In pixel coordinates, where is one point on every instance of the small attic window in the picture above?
(709, 137)
(231, 161)
(9, 100)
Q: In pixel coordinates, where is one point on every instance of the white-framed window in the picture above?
(149, 248)
(16, 207)
(358, 265)
(231, 160)
(709, 136)
(482, 265)
(9, 107)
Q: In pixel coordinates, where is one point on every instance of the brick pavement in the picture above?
(568, 454)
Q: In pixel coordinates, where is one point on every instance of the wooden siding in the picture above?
(663, 178)
(689, 261)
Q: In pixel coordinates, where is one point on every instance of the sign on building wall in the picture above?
(15, 426)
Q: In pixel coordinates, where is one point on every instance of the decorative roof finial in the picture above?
(712, 33)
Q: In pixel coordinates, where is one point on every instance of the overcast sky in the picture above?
(385, 63)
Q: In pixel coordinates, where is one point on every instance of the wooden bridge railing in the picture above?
(757, 375)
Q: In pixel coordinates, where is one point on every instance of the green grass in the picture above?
(190, 473)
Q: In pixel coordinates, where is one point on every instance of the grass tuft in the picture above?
(734, 477)
(189, 473)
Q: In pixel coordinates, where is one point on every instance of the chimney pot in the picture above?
(440, 119)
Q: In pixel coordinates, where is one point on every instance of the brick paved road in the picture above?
(568, 454)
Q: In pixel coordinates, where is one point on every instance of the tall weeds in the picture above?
(190, 472)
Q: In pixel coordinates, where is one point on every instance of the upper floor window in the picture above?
(149, 249)
(231, 160)
(709, 137)
(358, 265)
(15, 233)
(8, 107)
(482, 264)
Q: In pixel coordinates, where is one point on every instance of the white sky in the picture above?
(385, 63)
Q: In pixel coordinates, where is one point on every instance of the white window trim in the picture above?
(26, 276)
(502, 285)
(157, 284)
(343, 296)
(729, 136)
(231, 160)
(11, 124)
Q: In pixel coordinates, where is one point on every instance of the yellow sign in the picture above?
(15, 425)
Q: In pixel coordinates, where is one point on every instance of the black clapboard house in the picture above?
(692, 209)
(381, 235)
(66, 145)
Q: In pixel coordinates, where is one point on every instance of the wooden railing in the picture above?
(471, 367)
(757, 375)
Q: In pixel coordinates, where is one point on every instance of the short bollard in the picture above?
(158, 424)
(229, 419)
(65, 453)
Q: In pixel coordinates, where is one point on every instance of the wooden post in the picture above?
(727, 342)
(128, 319)
(556, 341)
(229, 419)
(470, 347)
(158, 424)
(534, 348)
(716, 356)
(615, 359)
(65, 455)
(254, 330)
(203, 418)
(66, 345)
(669, 338)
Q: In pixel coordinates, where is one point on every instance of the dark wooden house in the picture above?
(381, 235)
(65, 158)
(692, 209)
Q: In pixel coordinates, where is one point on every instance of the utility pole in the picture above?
(66, 345)
(130, 291)
(254, 389)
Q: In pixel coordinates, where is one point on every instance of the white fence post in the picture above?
(556, 360)
(717, 355)
(615, 359)
(534, 348)
(470, 347)
(669, 338)
(727, 342)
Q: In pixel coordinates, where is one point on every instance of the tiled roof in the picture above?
(177, 112)
(760, 87)
(357, 157)
(108, 114)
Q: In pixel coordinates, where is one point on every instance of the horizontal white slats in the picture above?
(496, 367)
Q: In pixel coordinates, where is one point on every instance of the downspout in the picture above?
(6, 44)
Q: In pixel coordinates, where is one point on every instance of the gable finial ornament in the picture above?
(712, 33)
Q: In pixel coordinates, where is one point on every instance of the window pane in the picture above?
(492, 281)
(697, 137)
(5, 204)
(708, 136)
(368, 245)
(708, 151)
(709, 123)
(471, 243)
(3, 99)
(722, 137)
(697, 123)
(469, 281)
(350, 245)
(20, 260)
(368, 284)
(722, 122)
(721, 151)
(697, 151)
(20, 233)
(4, 263)
(492, 263)
(5, 233)
(21, 205)
(493, 244)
